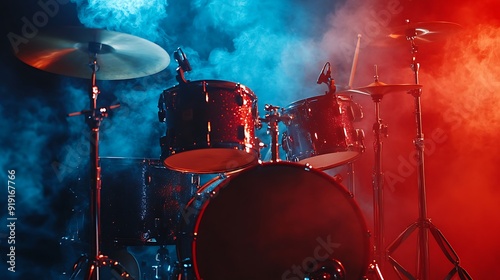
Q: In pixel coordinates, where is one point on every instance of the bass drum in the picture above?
(273, 221)
(210, 127)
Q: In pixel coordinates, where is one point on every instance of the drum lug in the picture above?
(239, 99)
(240, 134)
(338, 178)
(195, 180)
(147, 178)
(360, 137)
(145, 236)
(163, 141)
(284, 142)
(204, 86)
(352, 115)
(308, 113)
(162, 114)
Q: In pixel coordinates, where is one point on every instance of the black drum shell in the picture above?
(141, 201)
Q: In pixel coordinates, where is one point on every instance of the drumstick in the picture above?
(354, 62)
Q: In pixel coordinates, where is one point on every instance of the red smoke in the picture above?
(461, 124)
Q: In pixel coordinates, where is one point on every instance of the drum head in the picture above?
(279, 221)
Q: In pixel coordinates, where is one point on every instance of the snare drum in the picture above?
(210, 127)
(273, 221)
(321, 131)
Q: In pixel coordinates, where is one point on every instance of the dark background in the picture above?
(277, 49)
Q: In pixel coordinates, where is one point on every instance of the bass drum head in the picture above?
(279, 221)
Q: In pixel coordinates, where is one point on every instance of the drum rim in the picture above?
(210, 83)
(304, 101)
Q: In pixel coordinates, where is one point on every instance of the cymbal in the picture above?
(120, 56)
(431, 31)
(380, 89)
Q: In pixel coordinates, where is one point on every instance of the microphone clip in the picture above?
(183, 63)
(326, 78)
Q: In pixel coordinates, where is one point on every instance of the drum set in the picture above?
(229, 214)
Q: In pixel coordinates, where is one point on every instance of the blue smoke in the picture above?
(272, 47)
(142, 18)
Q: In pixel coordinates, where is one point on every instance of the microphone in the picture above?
(182, 60)
(324, 78)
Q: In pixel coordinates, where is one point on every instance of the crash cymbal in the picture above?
(425, 31)
(120, 56)
(380, 89)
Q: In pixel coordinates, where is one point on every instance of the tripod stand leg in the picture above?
(77, 267)
(395, 244)
(374, 272)
(463, 274)
(92, 272)
(402, 237)
(400, 270)
(121, 271)
(450, 254)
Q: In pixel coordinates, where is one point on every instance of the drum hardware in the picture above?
(326, 78)
(58, 51)
(184, 66)
(163, 268)
(329, 269)
(377, 90)
(380, 129)
(272, 119)
(94, 117)
(423, 225)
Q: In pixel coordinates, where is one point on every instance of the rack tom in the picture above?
(210, 126)
(321, 131)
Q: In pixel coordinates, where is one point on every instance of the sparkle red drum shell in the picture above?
(321, 131)
(210, 126)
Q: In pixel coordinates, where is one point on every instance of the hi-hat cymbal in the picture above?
(120, 56)
(380, 89)
(431, 31)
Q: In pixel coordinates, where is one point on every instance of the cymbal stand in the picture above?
(423, 224)
(94, 117)
(380, 129)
